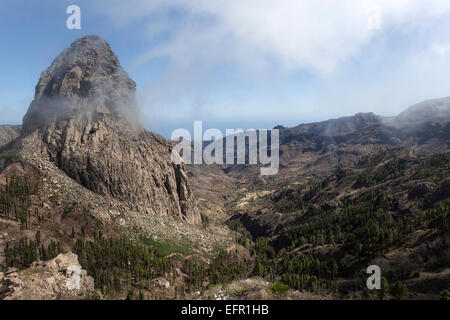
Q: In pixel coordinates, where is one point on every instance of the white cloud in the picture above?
(296, 34)
(360, 68)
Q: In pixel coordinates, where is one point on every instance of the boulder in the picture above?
(61, 278)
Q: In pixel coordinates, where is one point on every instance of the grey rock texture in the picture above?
(162, 283)
(85, 119)
(9, 133)
(61, 278)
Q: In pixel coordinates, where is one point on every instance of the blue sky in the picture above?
(241, 64)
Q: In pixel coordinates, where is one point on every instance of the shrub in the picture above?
(279, 288)
(399, 290)
(445, 295)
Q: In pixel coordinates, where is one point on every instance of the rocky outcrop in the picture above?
(8, 133)
(59, 279)
(162, 283)
(85, 119)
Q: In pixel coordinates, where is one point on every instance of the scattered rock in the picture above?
(162, 283)
(61, 278)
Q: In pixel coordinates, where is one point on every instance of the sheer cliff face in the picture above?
(84, 115)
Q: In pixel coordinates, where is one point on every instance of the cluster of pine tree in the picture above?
(17, 188)
(226, 267)
(22, 254)
(391, 170)
(223, 268)
(303, 272)
(114, 263)
(15, 201)
(117, 264)
(436, 166)
(364, 228)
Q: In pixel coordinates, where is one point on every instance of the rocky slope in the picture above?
(8, 133)
(61, 278)
(84, 119)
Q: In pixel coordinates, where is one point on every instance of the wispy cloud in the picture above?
(329, 39)
(317, 35)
